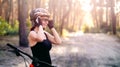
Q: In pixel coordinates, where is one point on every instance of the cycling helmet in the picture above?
(39, 12)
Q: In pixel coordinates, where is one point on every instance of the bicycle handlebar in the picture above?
(34, 59)
(16, 49)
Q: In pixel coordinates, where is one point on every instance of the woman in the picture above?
(40, 40)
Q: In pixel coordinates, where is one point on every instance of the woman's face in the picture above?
(44, 21)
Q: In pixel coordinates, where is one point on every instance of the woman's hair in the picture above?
(37, 12)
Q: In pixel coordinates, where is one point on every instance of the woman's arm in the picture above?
(55, 38)
(38, 36)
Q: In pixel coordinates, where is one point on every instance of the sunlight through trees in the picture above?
(70, 15)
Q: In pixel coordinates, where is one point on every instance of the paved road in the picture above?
(82, 50)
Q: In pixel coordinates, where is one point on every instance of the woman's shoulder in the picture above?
(32, 38)
(31, 33)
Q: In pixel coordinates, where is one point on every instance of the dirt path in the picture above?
(87, 50)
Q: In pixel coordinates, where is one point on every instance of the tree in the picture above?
(66, 14)
(113, 17)
(22, 15)
(0, 7)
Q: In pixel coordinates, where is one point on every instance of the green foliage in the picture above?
(65, 33)
(3, 26)
(85, 28)
(13, 30)
(118, 29)
(118, 32)
(7, 29)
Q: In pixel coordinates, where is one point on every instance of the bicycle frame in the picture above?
(18, 52)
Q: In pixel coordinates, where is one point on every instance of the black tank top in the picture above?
(41, 51)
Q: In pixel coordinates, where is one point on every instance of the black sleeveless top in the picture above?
(41, 51)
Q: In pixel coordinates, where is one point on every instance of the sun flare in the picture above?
(86, 6)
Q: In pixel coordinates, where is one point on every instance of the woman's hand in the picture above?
(50, 24)
(37, 21)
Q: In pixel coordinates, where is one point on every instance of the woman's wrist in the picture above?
(52, 28)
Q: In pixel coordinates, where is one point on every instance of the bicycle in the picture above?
(19, 52)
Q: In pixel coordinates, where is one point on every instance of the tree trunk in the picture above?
(64, 17)
(0, 7)
(22, 16)
(95, 14)
(113, 17)
(100, 13)
(7, 9)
